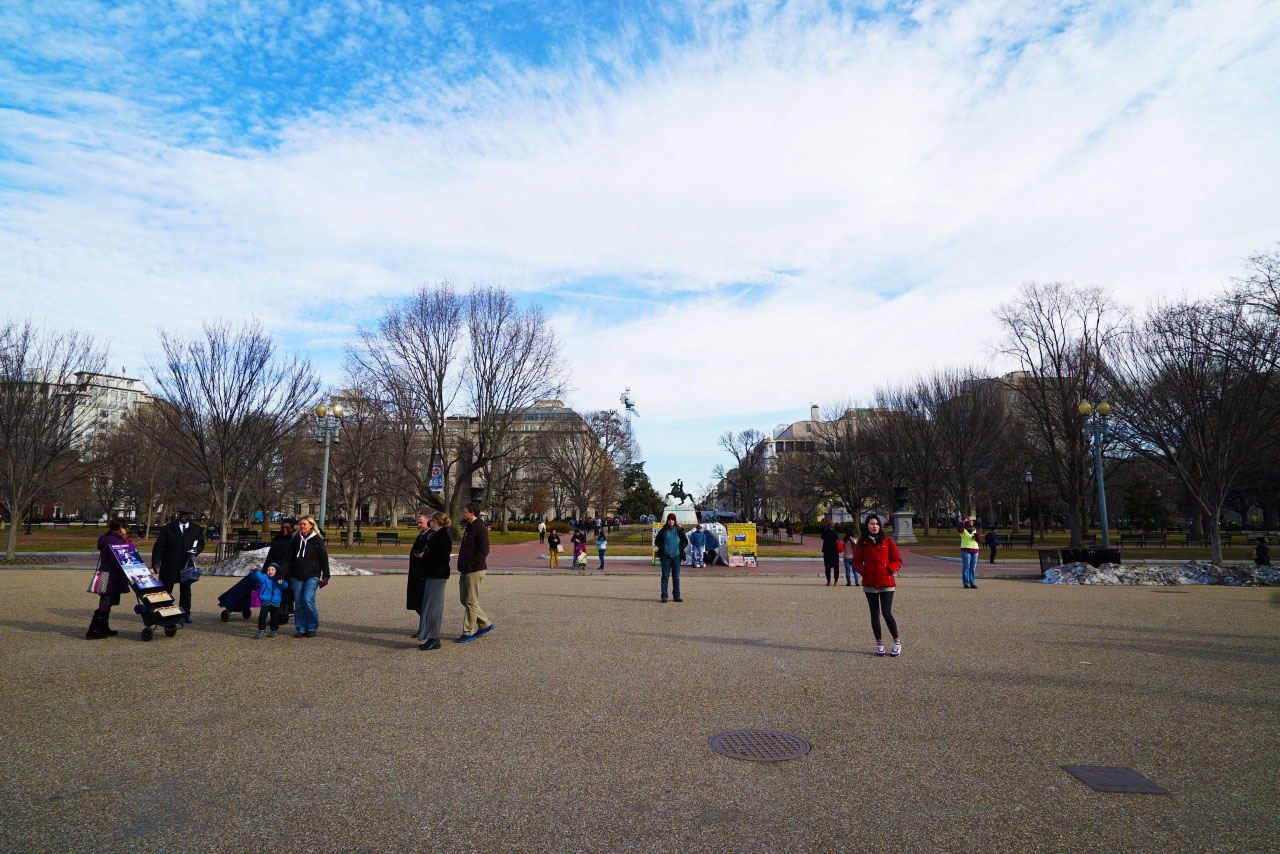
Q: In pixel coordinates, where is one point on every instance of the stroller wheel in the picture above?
(170, 631)
(226, 615)
(146, 633)
(247, 613)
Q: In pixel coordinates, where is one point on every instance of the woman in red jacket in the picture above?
(876, 557)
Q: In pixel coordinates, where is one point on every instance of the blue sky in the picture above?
(735, 208)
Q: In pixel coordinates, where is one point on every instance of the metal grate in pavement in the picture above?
(758, 745)
(1103, 778)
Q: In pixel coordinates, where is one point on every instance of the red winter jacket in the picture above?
(877, 563)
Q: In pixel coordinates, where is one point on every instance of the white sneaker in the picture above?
(897, 649)
(879, 648)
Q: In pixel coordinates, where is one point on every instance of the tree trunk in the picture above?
(1017, 513)
(11, 549)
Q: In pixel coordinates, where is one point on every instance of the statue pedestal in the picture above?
(686, 515)
(903, 531)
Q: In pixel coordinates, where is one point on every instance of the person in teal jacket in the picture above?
(670, 542)
(271, 595)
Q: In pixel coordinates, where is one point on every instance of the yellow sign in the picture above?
(740, 543)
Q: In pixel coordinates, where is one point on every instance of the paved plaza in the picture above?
(581, 723)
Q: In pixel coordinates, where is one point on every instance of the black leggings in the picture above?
(882, 603)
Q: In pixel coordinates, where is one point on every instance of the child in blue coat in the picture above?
(271, 594)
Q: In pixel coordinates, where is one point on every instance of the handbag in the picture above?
(101, 579)
(190, 573)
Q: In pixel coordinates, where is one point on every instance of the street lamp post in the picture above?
(1095, 427)
(1031, 513)
(328, 420)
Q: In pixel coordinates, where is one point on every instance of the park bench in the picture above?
(1195, 542)
(357, 539)
(1138, 540)
(62, 526)
(1153, 539)
(388, 538)
(1009, 541)
(1226, 538)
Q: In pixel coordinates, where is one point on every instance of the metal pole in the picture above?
(1031, 516)
(324, 477)
(1099, 432)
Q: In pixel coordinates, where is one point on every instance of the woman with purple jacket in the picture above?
(117, 582)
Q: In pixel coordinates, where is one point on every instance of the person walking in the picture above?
(473, 557)
(831, 553)
(542, 532)
(117, 582)
(670, 542)
(416, 584)
(278, 553)
(992, 539)
(697, 545)
(877, 558)
(851, 575)
(178, 543)
(438, 550)
(553, 548)
(308, 570)
(969, 549)
(1262, 554)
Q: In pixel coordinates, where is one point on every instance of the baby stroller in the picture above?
(242, 597)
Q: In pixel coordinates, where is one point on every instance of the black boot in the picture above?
(106, 625)
(97, 627)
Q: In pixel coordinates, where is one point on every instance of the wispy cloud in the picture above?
(880, 175)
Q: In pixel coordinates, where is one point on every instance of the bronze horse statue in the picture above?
(677, 492)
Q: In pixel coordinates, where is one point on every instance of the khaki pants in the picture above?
(555, 557)
(469, 594)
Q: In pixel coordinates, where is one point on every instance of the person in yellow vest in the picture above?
(970, 545)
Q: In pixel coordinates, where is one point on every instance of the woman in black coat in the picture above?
(117, 582)
(416, 586)
(439, 547)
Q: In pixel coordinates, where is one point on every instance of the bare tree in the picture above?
(353, 461)
(43, 374)
(581, 457)
(969, 416)
(1193, 402)
(455, 376)
(746, 479)
(229, 400)
(1059, 337)
(902, 446)
(840, 462)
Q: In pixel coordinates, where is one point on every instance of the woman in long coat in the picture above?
(439, 549)
(117, 582)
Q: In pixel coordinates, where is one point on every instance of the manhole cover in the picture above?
(1102, 778)
(758, 745)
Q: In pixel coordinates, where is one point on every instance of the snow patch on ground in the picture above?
(246, 562)
(1192, 572)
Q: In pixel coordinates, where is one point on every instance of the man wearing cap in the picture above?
(670, 544)
(179, 541)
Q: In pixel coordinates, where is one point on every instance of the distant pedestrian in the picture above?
(992, 539)
(473, 557)
(438, 548)
(117, 582)
(697, 545)
(308, 571)
(602, 544)
(969, 549)
(1262, 555)
(851, 575)
(876, 556)
(177, 545)
(831, 553)
(542, 532)
(553, 548)
(670, 542)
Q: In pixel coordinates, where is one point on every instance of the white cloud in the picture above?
(907, 177)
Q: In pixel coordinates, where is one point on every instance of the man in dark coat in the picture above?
(473, 557)
(279, 554)
(417, 586)
(670, 543)
(831, 553)
(178, 542)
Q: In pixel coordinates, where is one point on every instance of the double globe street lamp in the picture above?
(328, 421)
(1095, 429)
